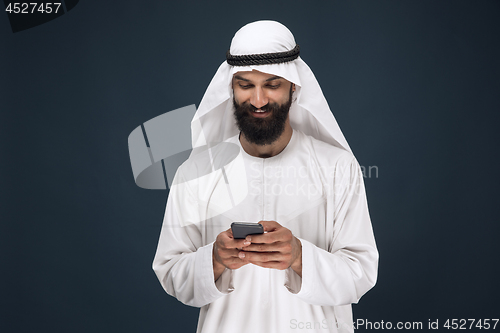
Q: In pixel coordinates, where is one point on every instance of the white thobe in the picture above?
(312, 188)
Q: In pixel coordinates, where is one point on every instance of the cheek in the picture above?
(281, 96)
(240, 96)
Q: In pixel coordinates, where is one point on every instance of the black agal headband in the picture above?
(264, 58)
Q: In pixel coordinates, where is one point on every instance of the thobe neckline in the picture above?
(278, 156)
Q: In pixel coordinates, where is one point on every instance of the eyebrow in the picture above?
(274, 78)
(238, 77)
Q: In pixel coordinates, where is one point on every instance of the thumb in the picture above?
(270, 225)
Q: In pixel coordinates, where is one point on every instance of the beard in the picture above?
(262, 131)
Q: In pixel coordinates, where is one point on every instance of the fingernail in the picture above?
(241, 255)
(246, 243)
(249, 239)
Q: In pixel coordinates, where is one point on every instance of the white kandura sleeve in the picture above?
(182, 263)
(341, 275)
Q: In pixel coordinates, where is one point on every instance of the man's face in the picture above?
(261, 102)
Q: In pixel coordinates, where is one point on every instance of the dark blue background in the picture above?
(414, 86)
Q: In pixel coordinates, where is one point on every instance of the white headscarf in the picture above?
(214, 121)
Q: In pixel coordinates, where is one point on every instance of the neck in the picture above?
(264, 151)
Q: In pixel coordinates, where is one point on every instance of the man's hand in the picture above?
(277, 248)
(225, 253)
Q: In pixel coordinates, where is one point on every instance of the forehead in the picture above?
(255, 76)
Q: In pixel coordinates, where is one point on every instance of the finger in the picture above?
(235, 263)
(263, 256)
(228, 253)
(272, 247)
(229, 242)
(270, 225)
(223, 237)
(235, 243)
(270, 237)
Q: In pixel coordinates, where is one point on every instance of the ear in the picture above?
(293, 86)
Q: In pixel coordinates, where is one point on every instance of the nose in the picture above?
(259, 98)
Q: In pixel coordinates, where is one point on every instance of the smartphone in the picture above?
(243, 229)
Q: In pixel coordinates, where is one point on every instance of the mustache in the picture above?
(264, 108)
(246, 106)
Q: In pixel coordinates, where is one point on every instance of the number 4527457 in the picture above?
(33, 8)
(463, 324)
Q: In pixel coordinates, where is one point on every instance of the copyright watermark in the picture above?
(292, 171)
(430, 324)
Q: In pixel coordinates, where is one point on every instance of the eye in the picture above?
(245, 86)
(273, 86)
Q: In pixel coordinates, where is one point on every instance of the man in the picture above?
(267, 149)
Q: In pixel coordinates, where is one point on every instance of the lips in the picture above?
(260, 113)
